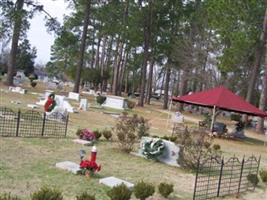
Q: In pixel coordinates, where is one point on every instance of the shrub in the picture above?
(107, 134)
(143, 190)
(8, 197)
(85, 196)
(235, 117)
(127, 128)
(263, 175)
(100, 99)
(46, 193)
(98, 134)
(130, 104)
(86, 134)
(195, 146)
(33, 83)
(165, 189)
(216, 147)
(253, 179)
(120, 192)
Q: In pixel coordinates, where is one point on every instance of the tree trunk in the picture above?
(97, 53)
(82, 47)
(147, 35)
(14, 45)
(183, 87)
(262, 104)
(150, 82)
(117, 69)
(258, 57)
(166, 88)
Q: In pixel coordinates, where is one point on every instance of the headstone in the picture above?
(17, 90)
(170, 154)
(69, 166)
(177, 117)
(113, 181)
(74, 96)
(32, 106)
(115, 102)
(62, 103)
(83, 104)
(84, 142)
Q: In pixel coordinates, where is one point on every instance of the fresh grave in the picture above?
(159, 149)
(86, 167)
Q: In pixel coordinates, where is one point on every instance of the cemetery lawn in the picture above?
(26, 164)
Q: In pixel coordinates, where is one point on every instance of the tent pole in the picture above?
(213, 117)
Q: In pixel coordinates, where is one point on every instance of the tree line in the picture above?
(143, 45)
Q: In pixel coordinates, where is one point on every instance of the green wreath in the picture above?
(153, 148)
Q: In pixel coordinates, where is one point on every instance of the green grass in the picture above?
(26, 164)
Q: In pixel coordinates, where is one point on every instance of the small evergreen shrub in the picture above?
(46, 193)
(143, 190)
(253, 179)
(130, 104)
(33, 83)
(107, 134)
(8, 197)
(85, 196)
(263, 175)
(165, 189)
(120, 192)
(216, 147)
(98, 134)
(100, 99)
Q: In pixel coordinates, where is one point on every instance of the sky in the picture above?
(38, 35)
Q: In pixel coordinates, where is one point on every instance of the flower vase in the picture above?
(87, 174)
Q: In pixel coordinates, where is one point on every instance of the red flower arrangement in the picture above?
(89, 167)
(86, 134)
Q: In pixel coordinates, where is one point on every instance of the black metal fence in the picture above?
(32, 124)
(217, 178)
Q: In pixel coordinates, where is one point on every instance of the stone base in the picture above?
(113, 181)
(69, 166)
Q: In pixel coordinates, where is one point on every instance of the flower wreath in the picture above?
(50, 103)
(153, 148)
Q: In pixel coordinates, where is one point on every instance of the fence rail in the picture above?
(217, 178)
(32, 124)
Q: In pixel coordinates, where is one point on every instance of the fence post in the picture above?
(220, 178)
(43, 127)
(66, 125)
(241, 174)
(195, 188)
(257, 170)
(18, 121)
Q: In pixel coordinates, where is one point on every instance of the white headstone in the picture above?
(113, 181)
(32, 106)
(115, 102)
(83, 104)
(74, 96)
(69, 166)
(17, 90)
(177, 117)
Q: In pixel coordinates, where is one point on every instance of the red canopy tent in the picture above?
(221, 98)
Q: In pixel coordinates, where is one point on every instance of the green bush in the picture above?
(98, 134)
(8, 197)
(235, 117)
(120, 192)
(263, 175)
(253, 179)
(100, 99)
(216, 147)
(85, 196)
(107, 134)
(33, 83)
(46, 193)
(143, 190)
(165, 189)
(130, 104)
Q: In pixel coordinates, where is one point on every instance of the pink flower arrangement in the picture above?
(86, 134)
